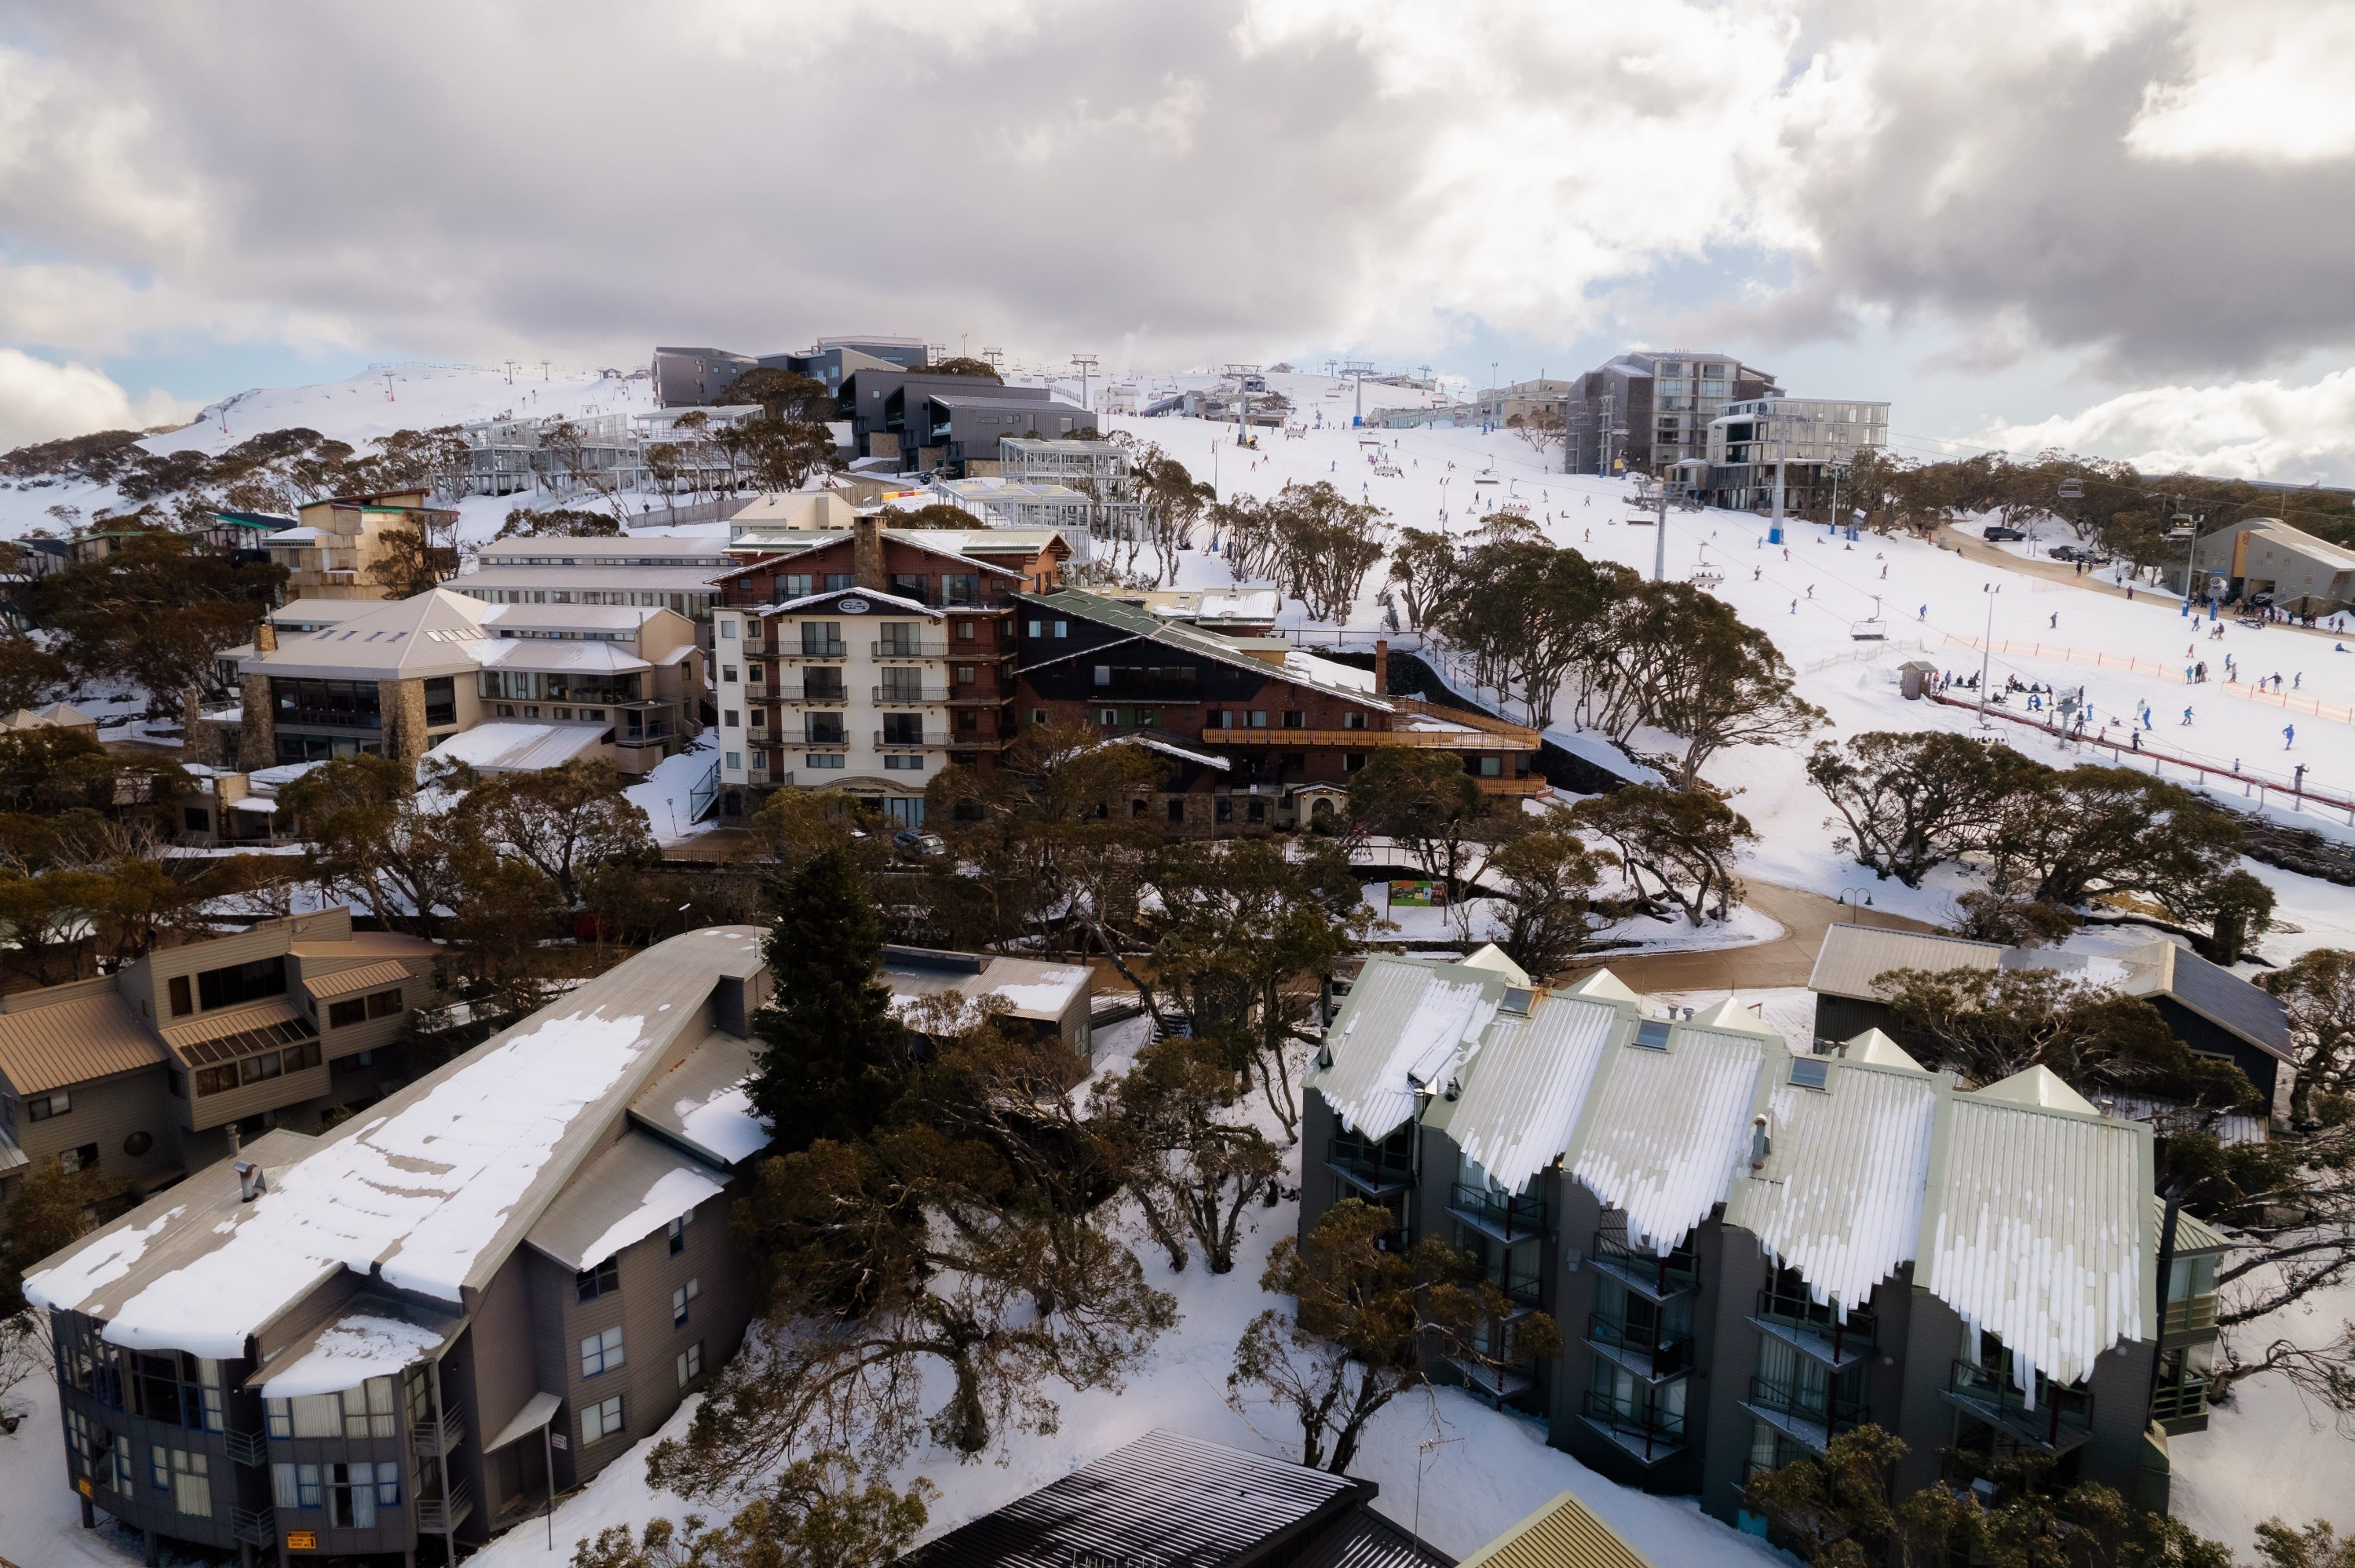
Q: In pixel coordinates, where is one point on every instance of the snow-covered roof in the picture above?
(435, 633)
(1329, 672)
(1029, 989)
(507, 745)
(430, 1190)
(553, 656)
(872, 598)
(2037, 1225)
(374, 1338)
(320, 611)
(702, 1103)
(1839, 1198)
(2020, 1206)
(635, 1188)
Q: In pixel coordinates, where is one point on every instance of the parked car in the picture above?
(917, 845)
(1997, 534)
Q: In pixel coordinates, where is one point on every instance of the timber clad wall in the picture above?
(106, 1115)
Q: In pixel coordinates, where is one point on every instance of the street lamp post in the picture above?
(1986, 645)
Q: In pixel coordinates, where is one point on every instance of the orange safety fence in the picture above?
(2246, 691)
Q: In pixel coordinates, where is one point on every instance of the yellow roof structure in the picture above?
(1565, 1533)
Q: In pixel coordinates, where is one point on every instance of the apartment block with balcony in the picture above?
(1259, 735)
(290, 1355)
(1805, 445)
(867, 662)
(1747, 1250)
(634, 571)
(158, 1068)
(501, 687)
(1649, 411)
(335, 544)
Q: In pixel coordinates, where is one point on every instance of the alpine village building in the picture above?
(1749, 1250)
(392, 1333)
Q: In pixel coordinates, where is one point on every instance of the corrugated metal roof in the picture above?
(1853, 955)
(74, 1042)
(1403, 1025)
(1667, 1127)
(1176, 1502)
(249, 1029)
(1370, 1540)
(2227, 1001)
(627, 1193)
(368, 976)
(1526, 1084)
(2038, 1227)
(699, 1104)
(1839, 1198)
(1565, 1533)
(2192, 1233)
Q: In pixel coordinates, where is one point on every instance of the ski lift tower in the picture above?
(1243, 373)
(994, 357)
(1357, 370)
(1085, 364)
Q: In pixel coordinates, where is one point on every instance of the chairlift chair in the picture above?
(1706, 577)
(1872, 629)
(2071, 491)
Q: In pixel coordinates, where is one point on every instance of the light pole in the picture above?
(1986, 645)
(1860, 905)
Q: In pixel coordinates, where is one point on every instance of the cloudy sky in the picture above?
(2121, 226)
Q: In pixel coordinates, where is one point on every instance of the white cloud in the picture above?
(2247, 429)
(39, 402)
(2268, 84)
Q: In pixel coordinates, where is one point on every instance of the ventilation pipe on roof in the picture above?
(1761, 1144)
(235, 1141)
(251, 1181)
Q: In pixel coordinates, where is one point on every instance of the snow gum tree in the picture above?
(1684, 840)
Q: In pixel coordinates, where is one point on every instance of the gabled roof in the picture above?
(1852, 956)
(1400, 1030)
(1145, 625)
(1564, 1533)
(1526, 1083)
(1661, 1134)
(2216, 994)
(429, 1191)
(74, 1042)
(636, 1187)
(435, 633)
(891, 603)
(1163, 1498)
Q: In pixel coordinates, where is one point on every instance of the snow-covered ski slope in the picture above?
(1809, 595)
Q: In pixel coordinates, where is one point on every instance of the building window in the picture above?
(1353, 721)
(682, 1301)
(824, 729)
(821, 639)
(182, 1003)
(728, 629)
(1352, 761)
(1062, 628)
(601, 1352)
(691, 1363)
(602, 1280)
(197, 820)
(1104, 674)
(1038, 715)
(1038, 628)
(440, 700)
(601, 1421)
(1295, 719)
(735, 759)
(82, 1158)
(241, 982)
(825, 760)
(902, 762)
(732, 718)
(123, 1481)
(678, 1232)
(965, 631)
(728, 674)
(360, 1009)
(41, 1108)
(187, 1477)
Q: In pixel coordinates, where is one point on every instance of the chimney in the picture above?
(265, 637)
(191, 705)
(234, 1140)
(1381, 666)
(867, 552)
(251, 1183)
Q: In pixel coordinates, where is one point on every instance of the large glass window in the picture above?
(338, 704)
(601, 1420)
(601, 1352)
(241, 982)
(823, 729)
(187, 1477)
(440, 700)
(602, 1280)
(903, 729)
(368, 1410)
(821, 640)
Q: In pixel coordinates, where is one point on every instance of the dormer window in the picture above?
(1652, 1033)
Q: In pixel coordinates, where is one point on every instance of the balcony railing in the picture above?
(1376, 1171)
(435, 1515)
(2191, 1316)
(255, 1527)
(1507, 1217)
(1812, 1416)
(914, 648)
(1649, 1434)
(812, 651)
(2186, 1401)
(248, 1449)
(1651, 1354)
(431, 1440)
(327, 718)
(908, 694)
(1818, 1330)
(932, 742)
(1643, 1270)
(1496, 1384)
(2057, 1420)
(805, 693)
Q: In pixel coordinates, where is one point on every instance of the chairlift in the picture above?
(2071, 491)
(1872, 629)
(1486, 482)
(1515, 506)
(1706, 577)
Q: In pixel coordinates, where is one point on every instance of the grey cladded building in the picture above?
(379, 1342)
(1749, 1250)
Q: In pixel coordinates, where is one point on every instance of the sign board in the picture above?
(301, 1540)
(558, 1440)
(82, 1486)
(1418, 894)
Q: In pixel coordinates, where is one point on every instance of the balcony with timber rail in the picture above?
(2046, 1417)
(1642, 1269)
(1816, 1329)
(1499, 753)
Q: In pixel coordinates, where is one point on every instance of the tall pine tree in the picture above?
(829, 1050)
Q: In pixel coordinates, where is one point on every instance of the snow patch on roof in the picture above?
(724, 1124)
(1403, 1027)
(349, 1352)
(1667, 1129)
(675, 1193)
(417, 1195)
(95, 1267)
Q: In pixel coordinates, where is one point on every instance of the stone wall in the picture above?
(258, 739)
(402, 703)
